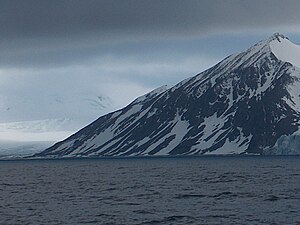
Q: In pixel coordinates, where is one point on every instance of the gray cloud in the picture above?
(60, 32)
(118, 18)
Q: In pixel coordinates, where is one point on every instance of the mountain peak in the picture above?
(247, 103)
(278, 36)
(285, 50)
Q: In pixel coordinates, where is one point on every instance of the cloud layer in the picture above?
(115, 19)
(62, 32)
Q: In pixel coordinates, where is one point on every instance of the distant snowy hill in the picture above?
(9, 149)
(247, 103)
(60, 116)
(80, 106)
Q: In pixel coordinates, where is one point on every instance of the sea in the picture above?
(185, 190)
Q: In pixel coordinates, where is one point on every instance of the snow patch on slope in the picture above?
(286, 51)
(294, 90)
(179, 130)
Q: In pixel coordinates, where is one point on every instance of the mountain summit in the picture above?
(247, 103)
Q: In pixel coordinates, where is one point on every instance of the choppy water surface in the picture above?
(209, 190)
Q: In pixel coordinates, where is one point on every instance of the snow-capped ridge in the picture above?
(152, 93)
(278, 36)
(286, 51)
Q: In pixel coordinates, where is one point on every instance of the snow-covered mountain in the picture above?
(78, 107)
(29, 125)
(247, 103)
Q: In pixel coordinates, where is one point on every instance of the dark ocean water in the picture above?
(207, 190)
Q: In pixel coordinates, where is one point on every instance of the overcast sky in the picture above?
(121, 49)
